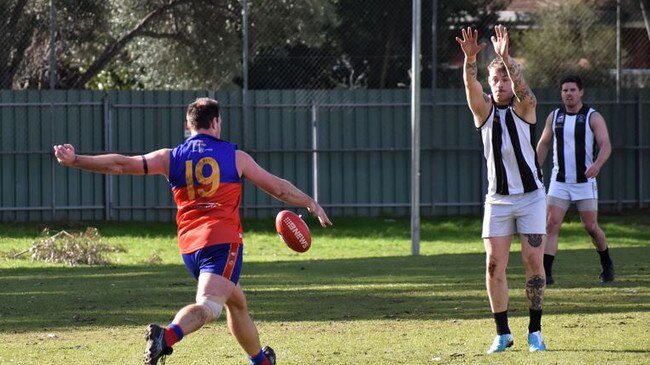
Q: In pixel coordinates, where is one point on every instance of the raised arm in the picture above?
(545, 140)
(479, 103)
(153, 163)
(599, 127)
(279, 188)
(526, 100)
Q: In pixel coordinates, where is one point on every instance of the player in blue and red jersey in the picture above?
(205, 174)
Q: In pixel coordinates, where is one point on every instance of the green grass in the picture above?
(357, 296)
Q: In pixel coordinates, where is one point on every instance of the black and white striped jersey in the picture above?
(509, 151)
(573, 145)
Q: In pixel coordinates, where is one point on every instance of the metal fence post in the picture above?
(618, 51)
(415, 130)
(108, 179)
(639, 137)
(434, 45)
(245, 56)
(52, 45)
(53, 170)
(314, 147)
(244, 91)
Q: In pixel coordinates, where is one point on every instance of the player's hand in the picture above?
(592, 171)
(469, 43)
(318, 212)
(65, 154)
(500, 41)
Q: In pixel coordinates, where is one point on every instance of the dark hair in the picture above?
(201, 112)
(572, 78)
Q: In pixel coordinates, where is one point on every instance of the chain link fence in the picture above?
(311, 45)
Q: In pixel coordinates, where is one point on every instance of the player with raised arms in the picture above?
(515, 200)
(205, 174)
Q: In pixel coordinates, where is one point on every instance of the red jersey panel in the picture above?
(207, 190)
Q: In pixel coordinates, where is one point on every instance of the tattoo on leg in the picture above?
(534, 240)
(535, 291)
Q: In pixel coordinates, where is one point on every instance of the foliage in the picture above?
(117, 78)
(23, 31)
(81, 27)
(481, 15)
(269, 68)
(370, 46)
(297, 55)
(562, 40)
(181, 44)
(196, 44)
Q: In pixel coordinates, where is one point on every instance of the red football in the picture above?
(293, 231)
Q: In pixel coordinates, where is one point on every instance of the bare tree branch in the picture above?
(113, 49)
(177, 36)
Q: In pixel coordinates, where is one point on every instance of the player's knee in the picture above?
(212, 307)
(237, 301)
(591, 227)
(533, 261)
(553, 226)
(494, 268)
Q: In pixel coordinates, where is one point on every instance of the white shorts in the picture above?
(573, 192)
(506, 215)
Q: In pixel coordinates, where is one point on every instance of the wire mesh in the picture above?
(309, 45)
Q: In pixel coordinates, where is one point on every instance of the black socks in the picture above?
(605, 260)
(501, 320)
(535, 323)
(548, 264)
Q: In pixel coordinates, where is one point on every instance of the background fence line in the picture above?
(351, 149)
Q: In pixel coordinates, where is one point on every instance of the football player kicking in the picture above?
(205, 174)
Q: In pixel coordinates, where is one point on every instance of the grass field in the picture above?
(356, 297)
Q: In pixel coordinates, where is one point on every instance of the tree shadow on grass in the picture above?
(437, 287)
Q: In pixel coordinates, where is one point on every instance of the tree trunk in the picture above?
(113, 49)
(8, 63)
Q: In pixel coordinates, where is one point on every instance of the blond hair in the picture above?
(497, 65)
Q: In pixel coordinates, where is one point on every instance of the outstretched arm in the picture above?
(478, 102)
(155, 163)
(599, 127)
(279, 188)
(526, 100)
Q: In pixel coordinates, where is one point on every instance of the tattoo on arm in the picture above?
(535, 240)
(521, 89)
(471, 70)
(535, 291)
